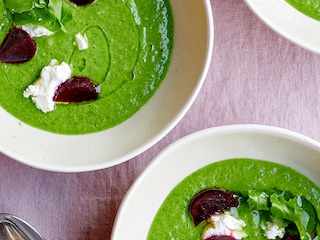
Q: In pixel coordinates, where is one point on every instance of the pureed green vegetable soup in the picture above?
(173, 220)
(310, 8)
(130, 44)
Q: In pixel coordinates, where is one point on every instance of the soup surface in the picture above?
(310, 8)
(173, 220)
(130, 44)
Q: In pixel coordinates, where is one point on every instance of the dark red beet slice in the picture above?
(288, 236)
(76, 89)
(209, 202)
(17, 47)
(82, 2)
(221, 238)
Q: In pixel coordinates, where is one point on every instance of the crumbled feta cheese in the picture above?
(272, 230)
(82, 41)
(36, 31)
(225, 224)
(42, 91)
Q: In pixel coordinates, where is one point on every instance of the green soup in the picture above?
(310, 8)
(130, 43)
(174, 222)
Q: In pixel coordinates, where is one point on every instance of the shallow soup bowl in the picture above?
(193, 43)
(288, 22)
(198, 150)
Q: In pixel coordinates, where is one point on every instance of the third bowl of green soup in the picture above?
(228, 182)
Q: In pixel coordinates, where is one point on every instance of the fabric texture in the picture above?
(255, 76)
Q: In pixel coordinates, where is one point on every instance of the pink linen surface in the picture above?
(255, 76)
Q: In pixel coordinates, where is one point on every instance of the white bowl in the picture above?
(288, 22)
(193, 43)
(200, 149)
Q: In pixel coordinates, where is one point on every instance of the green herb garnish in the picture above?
(297, 210)
(51, 14)
(284, 206)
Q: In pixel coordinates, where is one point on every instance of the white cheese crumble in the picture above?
(272, 230)
(36, 31)
(42, 90)
(225, 224)
(81, 41)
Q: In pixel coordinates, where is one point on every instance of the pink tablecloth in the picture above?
(256, 76)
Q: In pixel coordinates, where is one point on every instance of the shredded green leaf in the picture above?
(282, 206)
(51, 14)
(258, 200)
(18, 6)
(297, 210)
(5, 19)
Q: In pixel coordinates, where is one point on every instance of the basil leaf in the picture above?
(5, 19)
(51, 14)
(39, 17)
(60, 12)
(297, 210)
(55, 8)
(258, 200)
(20, 6)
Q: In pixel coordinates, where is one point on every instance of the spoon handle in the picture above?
(13, 228)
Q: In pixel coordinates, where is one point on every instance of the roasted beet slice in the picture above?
(17, 47)
(220, 237)
(288, 236)
(82, 2)
(76, 89)
(209, 202)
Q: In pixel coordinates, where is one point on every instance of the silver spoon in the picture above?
(14, 228)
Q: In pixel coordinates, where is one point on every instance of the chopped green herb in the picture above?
(51, 14)
(284, 206)
(258, 200)
(297, 210)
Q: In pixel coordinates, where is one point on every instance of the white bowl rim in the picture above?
(288, 22)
